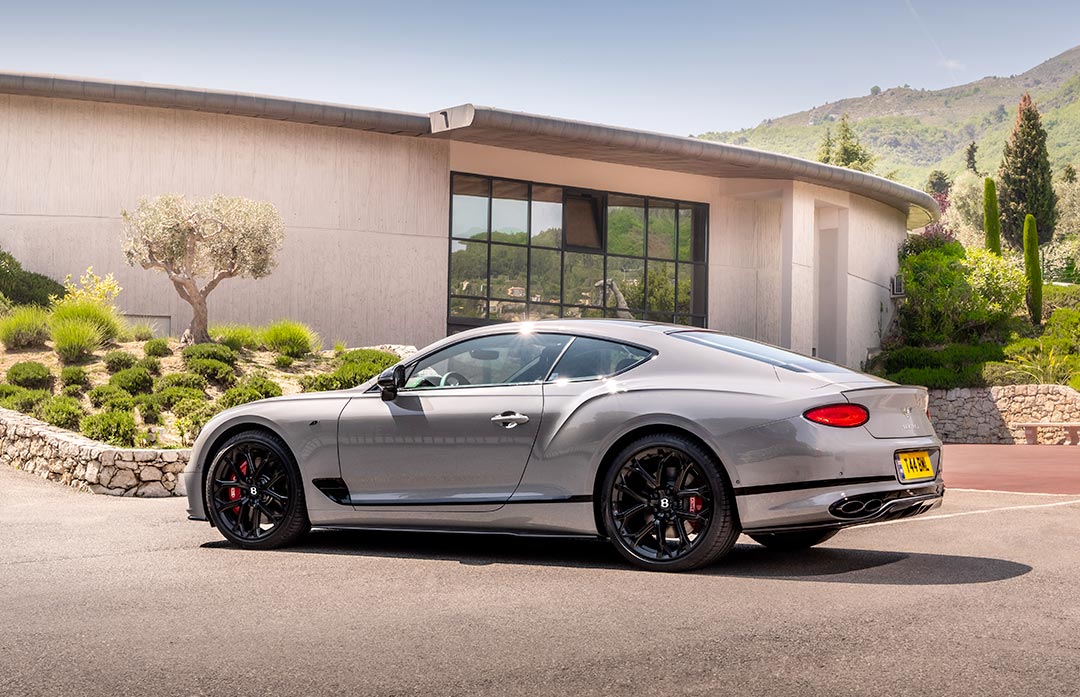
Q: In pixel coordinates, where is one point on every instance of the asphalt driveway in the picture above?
(106, 596)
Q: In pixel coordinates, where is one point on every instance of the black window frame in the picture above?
(695, 266)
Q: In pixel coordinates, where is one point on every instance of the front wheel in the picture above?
(793, 541)
(254, 494)
(665, 505)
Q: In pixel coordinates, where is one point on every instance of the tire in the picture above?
(274, 513)
(793, 541)
(690, 494)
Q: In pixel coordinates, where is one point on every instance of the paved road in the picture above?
(1032, 468)
(106, 596)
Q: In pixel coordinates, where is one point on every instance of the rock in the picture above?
(124, 479)
(152, 490)
(145, 455)
(150, 474)
(92, 471)
(107, 457)
(106, 474)
(169, 456)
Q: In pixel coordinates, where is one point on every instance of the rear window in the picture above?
(596, 358)
(776, 357)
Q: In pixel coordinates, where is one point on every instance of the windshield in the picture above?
(776, 357)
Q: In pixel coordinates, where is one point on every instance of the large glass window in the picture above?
(522, 250)
(503, 359)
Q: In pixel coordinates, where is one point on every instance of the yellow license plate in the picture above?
(914, 466)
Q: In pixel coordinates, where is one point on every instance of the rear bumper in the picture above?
(895, 504)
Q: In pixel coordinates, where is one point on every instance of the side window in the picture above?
(596, 358)
(502, 359)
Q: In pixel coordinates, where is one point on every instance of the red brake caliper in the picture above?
(234, 492)
(694, 504)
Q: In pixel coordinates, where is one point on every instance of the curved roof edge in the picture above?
(498, 127)
(216, 101)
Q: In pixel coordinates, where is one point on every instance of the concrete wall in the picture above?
(365, 258)
(366, 214)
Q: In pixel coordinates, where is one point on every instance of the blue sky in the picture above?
(677, 67)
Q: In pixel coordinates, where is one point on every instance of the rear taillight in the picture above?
(839, 415)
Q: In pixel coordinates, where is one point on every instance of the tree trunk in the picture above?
(197, 332)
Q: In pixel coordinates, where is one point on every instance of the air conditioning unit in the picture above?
(896, 286)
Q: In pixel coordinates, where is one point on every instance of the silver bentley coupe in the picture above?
(669, 441)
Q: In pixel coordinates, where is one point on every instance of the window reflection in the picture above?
(619, 255)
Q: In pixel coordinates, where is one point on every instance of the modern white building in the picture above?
(402, 227)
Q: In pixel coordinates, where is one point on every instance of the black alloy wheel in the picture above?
(666, 506)
(254, 494)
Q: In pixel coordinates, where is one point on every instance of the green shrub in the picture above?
(215, 352)
(142, 331)
(237, 336)
(194, 417)
(213, 370)
(105, 317)
(339, 348)
(1001, 373)
(283, 362)
(192, 381)
(1064, 325)
(915, 244)
(117, 360)
(112, 427)
(235, 396)
(953, 294)
(152, 365)
(7, 390)
(133, 380)
(25, 327)
(939, 378)
(103, 393)
(320, 382)
(1044, 367)
(25, 401)
(75, 376)
(149, 408)
(262, 385)
(30, 374)
(1074, 382)
(354, 368)
(290, 338)
(1033, 269)
(75, 339)
(1055, 297)
(61, 411)
(170, 396)
(953, 355)
(157, 348)
(75, 391)
(25, 287)
(6, 306)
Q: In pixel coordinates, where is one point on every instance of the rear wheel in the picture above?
(793, 541)
(665, 505)
(254, 494)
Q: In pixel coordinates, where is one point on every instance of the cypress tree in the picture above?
(825, 149)
(1026, 180)
(991, 219)
(1069, 174)
(970, 154)
(1033, 270)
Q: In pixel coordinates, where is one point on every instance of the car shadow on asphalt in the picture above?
(821, 564)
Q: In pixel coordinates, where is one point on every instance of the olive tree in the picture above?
(198, 244)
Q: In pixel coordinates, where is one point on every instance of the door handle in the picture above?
(509, 419)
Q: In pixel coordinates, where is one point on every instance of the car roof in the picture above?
(626, 329)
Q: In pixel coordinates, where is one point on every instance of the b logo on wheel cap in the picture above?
(254, 491)
(665, 503)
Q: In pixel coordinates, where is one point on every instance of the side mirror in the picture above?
(390, 380)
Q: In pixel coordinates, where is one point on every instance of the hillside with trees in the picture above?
(915, 131)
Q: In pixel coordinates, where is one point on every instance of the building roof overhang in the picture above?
(496, 127)
(578, 139)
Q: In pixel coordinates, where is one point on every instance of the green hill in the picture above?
(914, 131)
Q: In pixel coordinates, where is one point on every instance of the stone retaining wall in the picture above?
(985, 414)
(70, 458)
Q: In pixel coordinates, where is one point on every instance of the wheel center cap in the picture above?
(254, 491)
(665, 503)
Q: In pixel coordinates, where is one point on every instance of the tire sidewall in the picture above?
(721, 524)
(285, 531)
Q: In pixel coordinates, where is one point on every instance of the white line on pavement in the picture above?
(999, 491)
(985, 510)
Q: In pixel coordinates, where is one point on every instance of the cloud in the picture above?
(951, 64)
